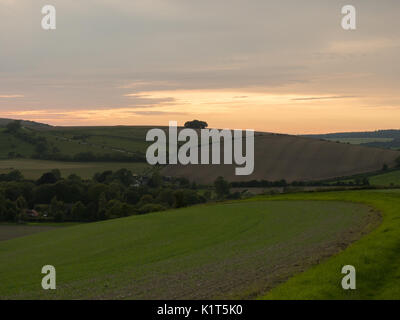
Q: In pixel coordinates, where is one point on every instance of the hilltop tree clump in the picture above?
(196, 124)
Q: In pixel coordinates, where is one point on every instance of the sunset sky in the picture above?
(280, 66)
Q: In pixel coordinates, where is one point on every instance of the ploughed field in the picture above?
(230, 250)
(276, 156)
(294, 158)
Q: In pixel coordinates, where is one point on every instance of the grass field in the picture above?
(375, 256)
(9, 144)
(73, 140)
(231, 250)
(126, 138)
(386, 179)
(33, 169)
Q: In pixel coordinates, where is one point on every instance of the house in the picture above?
(32, 213)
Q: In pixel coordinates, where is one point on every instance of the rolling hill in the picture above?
(387, 139)
(277, 156)
(294, 158)
(230, 250)
(25, 123)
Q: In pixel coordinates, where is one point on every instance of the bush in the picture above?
(221, 187)
(151, 207)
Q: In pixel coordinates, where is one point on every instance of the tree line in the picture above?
(107, 195)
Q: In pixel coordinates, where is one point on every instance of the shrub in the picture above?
(151, 207)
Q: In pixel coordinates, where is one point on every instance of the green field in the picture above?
(9, 144)
(359, 140)
(386, 179)
(375, 256)
(126, 138)
(73, 140)
(33, 169)
(231, 250)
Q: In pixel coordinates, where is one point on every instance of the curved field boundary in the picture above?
(376, 256)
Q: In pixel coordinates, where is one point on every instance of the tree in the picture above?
(41, 148)
(14, 175)
(179, 199)
(13, 126)
(124, 176)
(116, 209)
(196, 124)
(365, 181)
(47, 178)
(155, 180)
(78, 211)
(102, 205)
(147, 198)
(221, 187)
(57, 210)
(166, 197)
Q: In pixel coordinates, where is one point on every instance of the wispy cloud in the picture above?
(157, 113)
(11, 96)
(323, 98)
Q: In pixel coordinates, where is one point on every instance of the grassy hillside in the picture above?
(375, 256)
(231, 250)
(10, 144)
(74, 140)
(386, 179)
(25, 123)
(122, 138)
(295, 158)
(360, 140)
(386, 139)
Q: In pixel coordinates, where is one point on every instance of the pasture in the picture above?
(386, 179)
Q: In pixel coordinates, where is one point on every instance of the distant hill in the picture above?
(387, 139)
(295, 158)
(74, 143)
(277, 156)
(25, 123)
(393, 134)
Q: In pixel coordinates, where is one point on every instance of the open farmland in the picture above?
(33, 169)
(386, 179)
(295, 159)
(375, 256)
(74, 140)
(277, 156)
(231, 250)
(360, 140)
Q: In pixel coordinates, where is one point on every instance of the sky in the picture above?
(277, 66)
